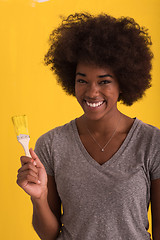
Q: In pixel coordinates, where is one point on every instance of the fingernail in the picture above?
(34, 163)
(39, 182)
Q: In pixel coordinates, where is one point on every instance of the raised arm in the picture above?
(155, 208)
(32, 178)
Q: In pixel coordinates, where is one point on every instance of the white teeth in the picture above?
(94, 104)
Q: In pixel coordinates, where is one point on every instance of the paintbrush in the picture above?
(21, 127)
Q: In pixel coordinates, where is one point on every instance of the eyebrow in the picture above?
(106, 75)
(100, 76)
(81, 74)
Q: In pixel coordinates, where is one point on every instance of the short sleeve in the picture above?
(155, 166)
(43, 151)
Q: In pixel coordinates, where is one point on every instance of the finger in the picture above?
(35, 158)
(27, 172)
(25, 159)
(22, 181)
(28, 166)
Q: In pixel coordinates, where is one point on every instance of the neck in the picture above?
(102, 126)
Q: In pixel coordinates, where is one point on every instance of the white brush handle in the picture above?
(25, 144)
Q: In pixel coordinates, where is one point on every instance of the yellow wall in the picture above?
(28, 87)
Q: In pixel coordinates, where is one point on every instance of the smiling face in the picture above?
(96, 90)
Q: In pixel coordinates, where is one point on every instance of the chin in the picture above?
(94, 117)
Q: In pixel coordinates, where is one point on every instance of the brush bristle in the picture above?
(20, 124)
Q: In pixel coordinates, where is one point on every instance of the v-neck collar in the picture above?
(91, 160)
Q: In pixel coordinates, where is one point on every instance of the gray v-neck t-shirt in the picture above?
(102, 202)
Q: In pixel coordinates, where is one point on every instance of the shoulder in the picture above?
(56, 133)
(148, 137)
(149, 130)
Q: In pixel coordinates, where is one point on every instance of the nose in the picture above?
(92, 91)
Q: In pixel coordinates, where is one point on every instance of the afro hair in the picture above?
(118, 43)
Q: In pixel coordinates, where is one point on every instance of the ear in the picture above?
(120, 98)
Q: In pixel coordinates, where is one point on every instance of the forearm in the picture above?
(44, 221)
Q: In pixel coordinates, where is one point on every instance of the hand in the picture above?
(32, 176)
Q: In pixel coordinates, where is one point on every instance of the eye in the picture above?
(81, 81)
(104, 82)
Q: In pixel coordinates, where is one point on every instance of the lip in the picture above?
(94, 104)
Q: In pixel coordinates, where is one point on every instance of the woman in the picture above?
(103, 167)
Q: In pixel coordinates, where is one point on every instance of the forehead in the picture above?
(93, 69)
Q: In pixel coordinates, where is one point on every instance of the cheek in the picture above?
(77, 93)
(76, 90)
(112, 94)
(79, 90)
(109, 91)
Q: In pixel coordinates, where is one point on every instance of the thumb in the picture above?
(34, 156)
